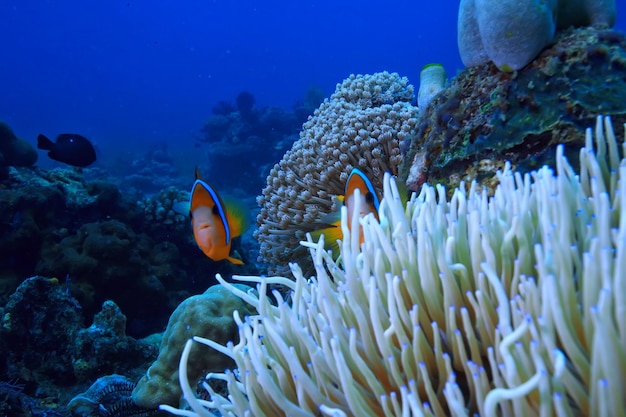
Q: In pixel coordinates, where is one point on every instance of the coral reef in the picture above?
(245, 104)
(511, 33)
(14, 402)
(109, 260)
(14, 151)
(39, 322)
(256, 136)
(109, 396)
(359, 126)
(158, 214)
(37, 206)
(104, 347)
(46, 348)
(208, 315)
(109, 245)
(106, 247)
(474, 305)
(150, 173)
(486, 116)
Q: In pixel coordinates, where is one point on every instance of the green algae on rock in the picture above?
(487, 116)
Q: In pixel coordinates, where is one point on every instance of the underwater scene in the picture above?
(324, 208)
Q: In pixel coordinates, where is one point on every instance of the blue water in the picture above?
(131, 73)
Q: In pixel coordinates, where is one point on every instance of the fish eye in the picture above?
(215, 211)
(369, 198)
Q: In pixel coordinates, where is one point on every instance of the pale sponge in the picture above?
(432, 80)
(209, 314)
(511, 33)
(514, 31)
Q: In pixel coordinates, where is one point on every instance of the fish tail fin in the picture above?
(44, 143)
(238, 215)
(234, 261)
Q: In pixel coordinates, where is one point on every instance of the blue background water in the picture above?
(129, 74)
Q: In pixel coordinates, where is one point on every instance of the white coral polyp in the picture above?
(513, 304)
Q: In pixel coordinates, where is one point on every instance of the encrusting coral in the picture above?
(209, 314)
(504, 305)
(359, 126)
(486, 117)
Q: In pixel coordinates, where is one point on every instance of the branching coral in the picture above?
(359, 126)
(506, 305)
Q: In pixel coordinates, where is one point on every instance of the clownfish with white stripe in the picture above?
(215, 221)
(369, 203)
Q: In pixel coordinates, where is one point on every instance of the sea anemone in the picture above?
(511, 304)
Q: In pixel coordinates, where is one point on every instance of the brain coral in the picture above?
(361, 125)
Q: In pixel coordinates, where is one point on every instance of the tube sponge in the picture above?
(471, 47)
(432, 80)
(601, 13)
(511, 33)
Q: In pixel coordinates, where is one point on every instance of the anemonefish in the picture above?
(368, 203)
(369, 199)
(215, 222)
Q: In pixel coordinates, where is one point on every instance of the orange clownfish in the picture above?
(369, 199)
(214, 223)
(369, 203)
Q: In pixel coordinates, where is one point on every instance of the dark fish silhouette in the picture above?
(69, 148)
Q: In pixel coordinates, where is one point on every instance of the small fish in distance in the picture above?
(69, 148)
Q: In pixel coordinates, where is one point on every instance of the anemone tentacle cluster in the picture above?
(361, 125)
(512, 304)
